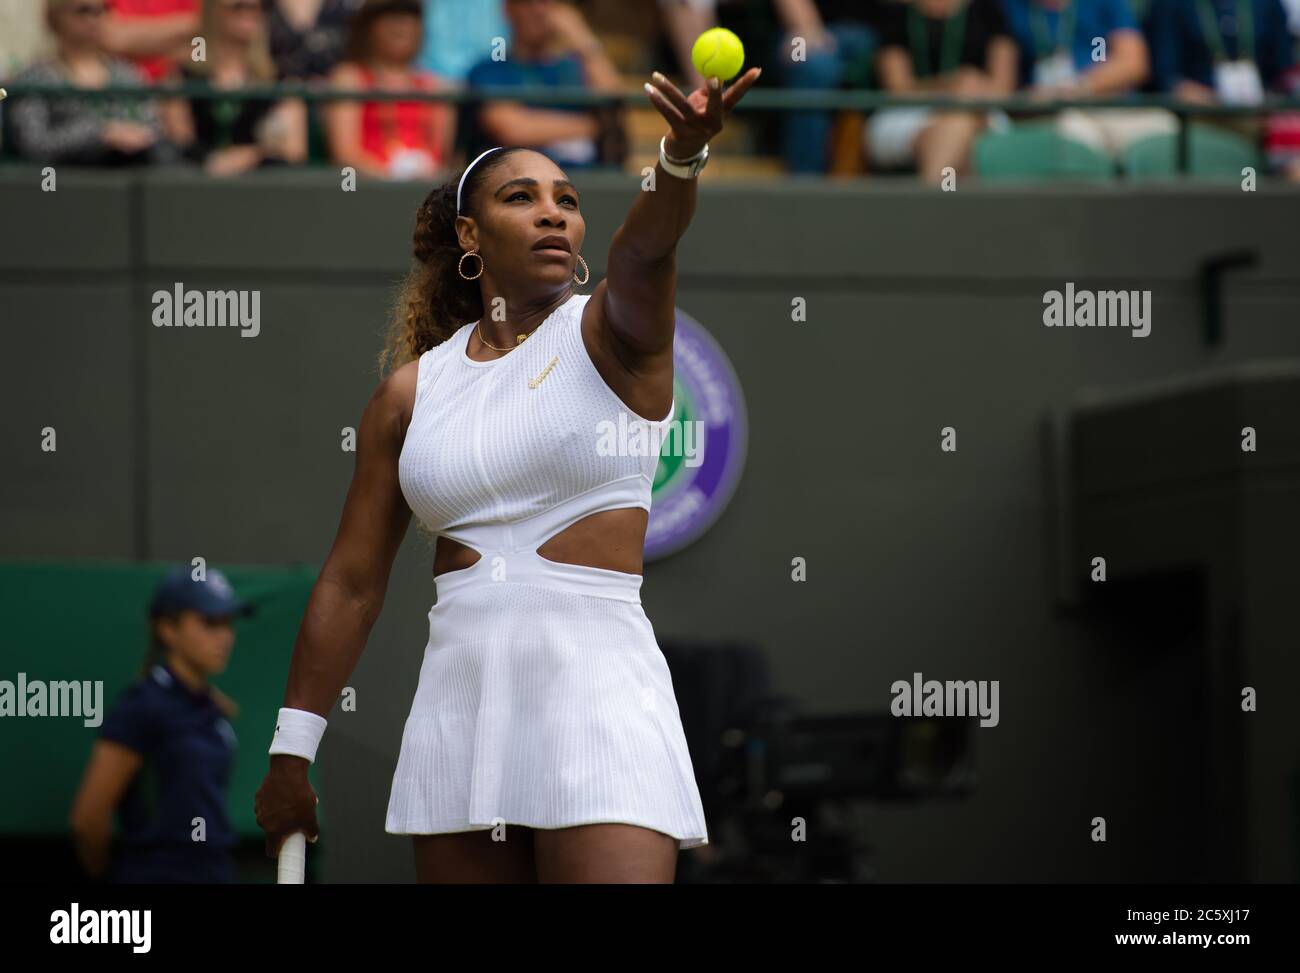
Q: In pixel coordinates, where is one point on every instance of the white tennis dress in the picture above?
(544, 699)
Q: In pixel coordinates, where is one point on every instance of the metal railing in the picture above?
(756, 100)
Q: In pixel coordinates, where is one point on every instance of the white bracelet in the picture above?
(682, 168)
(297, 732)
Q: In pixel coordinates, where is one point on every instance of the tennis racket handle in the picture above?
(291, 866)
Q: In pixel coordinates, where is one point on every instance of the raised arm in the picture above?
(635, 300)
(346, 599)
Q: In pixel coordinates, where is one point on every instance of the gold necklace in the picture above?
(519, 338)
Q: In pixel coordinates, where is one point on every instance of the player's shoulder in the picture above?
(393, 401)
(394, 398)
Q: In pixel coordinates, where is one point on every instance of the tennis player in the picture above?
(544, 741)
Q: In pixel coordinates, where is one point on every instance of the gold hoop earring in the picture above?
(584, 270)
(460, 269)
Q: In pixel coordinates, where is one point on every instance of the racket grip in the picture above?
(291, 865)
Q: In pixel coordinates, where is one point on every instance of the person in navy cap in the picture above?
(164, 753)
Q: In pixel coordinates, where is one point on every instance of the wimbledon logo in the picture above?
(686, 500)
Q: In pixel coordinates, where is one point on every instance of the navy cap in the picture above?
(213, 598)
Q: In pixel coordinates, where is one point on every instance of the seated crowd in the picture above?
(1197, 52)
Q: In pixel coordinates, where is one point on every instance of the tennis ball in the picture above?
(718, 53)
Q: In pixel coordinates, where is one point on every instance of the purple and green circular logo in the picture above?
(703, 453)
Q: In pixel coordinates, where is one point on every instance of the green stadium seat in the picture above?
(1213, 154)
(1036, 152)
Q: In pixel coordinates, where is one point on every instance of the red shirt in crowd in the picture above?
(154, 68)
(389, 127)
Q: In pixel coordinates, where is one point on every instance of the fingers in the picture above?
(672, 94)
(738, 89)
(282, 809)
(713, 108)
(671, 115)
(276, 839)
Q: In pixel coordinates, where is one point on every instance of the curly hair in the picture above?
(434, 300)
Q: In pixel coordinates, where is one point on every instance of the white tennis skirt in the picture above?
(545, 701)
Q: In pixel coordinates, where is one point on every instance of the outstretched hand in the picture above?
(697, 117)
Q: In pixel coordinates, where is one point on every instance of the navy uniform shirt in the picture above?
(188, 748)
(1180, 50)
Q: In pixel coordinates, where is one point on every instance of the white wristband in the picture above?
(297, 732)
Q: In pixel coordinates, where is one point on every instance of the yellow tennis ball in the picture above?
(718, 53)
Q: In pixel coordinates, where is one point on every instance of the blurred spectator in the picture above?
(394, 139)
(23, 36)
(230, 136)
(841, 39)
(956, 47)
(1078, 49)
(156, 34)
(24, 40)
(308, 37)
(460, 33)
(1220, 51)
(551, 46)
(83, 131)
(1229, 52)
(1282, 133)
(1282, 139)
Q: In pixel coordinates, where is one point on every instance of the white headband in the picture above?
(461, 186)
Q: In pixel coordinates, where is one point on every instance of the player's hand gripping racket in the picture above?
(278, 807)
(291, 864)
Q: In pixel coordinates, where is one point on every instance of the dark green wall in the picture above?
(924, 310)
